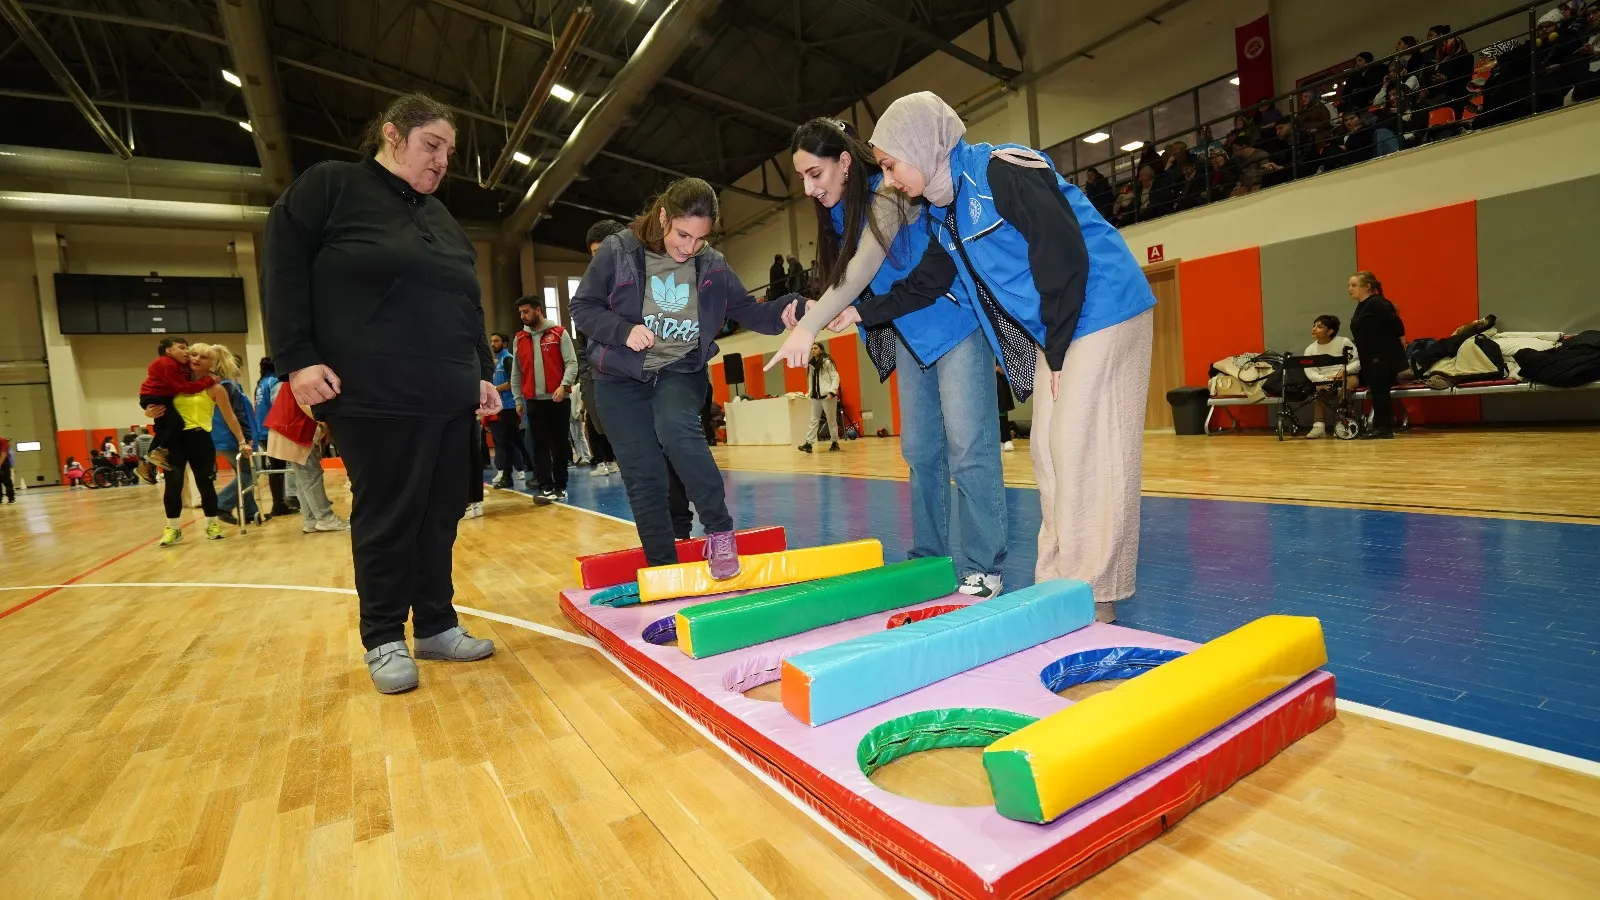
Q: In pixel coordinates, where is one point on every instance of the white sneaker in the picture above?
(1008, 447)
(1317, 430)
(474, 511)
(558, 496)
(611, 468)
(981, 585)
(598, 471)
(333, 523)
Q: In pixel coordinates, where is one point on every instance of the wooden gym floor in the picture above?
(164, 740)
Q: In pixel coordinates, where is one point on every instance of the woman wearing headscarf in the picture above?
(1066, 310)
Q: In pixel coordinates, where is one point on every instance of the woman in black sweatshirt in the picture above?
(374, 314)
(1379, 335)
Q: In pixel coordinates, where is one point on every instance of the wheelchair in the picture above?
(107, 476)
(1300, 391)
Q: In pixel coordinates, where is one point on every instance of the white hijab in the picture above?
(920, 130)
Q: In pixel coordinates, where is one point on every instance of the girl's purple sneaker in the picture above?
(722, 553)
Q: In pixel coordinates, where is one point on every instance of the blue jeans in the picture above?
(228, 497)
(949, 429)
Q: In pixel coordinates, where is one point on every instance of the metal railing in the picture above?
(1437, 89)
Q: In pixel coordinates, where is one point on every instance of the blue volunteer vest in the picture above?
(1115, 291)
(930, 332)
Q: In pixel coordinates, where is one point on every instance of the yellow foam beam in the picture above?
(1044, 770)
(760, 570)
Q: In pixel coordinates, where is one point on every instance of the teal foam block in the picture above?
(850, 676)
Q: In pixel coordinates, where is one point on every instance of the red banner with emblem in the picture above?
(1253, 48)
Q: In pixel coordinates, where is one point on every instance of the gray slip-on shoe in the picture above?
(391, 668)
(453, 645)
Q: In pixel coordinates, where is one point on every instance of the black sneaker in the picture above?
(226, 516)
(544, 498)
(833, 446)
(804, 448)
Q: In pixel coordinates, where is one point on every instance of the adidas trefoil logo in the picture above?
(669, 295)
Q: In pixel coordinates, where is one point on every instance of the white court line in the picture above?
(1476, 738)
(592, 512)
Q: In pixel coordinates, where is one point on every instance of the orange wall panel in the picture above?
(1221, 297)
(755, 380)
(843, 351)
(794, 379)
(1428, 263)
(719, 384)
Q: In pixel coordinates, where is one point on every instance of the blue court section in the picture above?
(1487, 624)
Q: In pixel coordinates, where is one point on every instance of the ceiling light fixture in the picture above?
(1097, 137)
(523, 158)
(247, 127)
(1330, 94)
(1132, 146)
(562, 93)
(231, 78)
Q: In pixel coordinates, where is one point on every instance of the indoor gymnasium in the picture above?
(799, 449)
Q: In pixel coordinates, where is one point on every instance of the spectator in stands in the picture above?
(1191, 188)
(1586, 59)
(1411, 61)
(1379, 336)
(1167, 183)
(1280, 149)
(1125, 210)
(777, 279)
(1205, 143)
(1315, 116)
(1361, 82)
(1254, 165)
(1325, 341)
(1388, 122)
(1266, 115)
(1244, 131)
(1223, 177)
(1352, 144)
(1098, 190)
(1450, 76)
(1146, 195)
(1152, 157)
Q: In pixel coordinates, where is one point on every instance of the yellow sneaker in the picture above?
(214, 532)
(170, 536)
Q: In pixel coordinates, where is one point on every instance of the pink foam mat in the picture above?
(953, 851)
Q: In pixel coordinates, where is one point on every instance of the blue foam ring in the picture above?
(619, 595)
(662, 631)
(1102, 664)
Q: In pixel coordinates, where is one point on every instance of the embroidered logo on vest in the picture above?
(974, 209)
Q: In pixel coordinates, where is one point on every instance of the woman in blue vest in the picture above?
(868, 239)
(1065, 307)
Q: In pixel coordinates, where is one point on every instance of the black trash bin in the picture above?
(1188, 409)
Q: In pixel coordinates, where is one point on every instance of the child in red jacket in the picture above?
(167, 377)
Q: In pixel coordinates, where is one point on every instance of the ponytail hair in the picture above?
(685, 198)
(1370, 281)
(831, 139)
(407, 113)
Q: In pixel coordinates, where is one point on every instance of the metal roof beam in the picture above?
(11, 11)
(246, 31)
(873, 11)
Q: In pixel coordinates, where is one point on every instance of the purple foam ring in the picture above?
(662, 632)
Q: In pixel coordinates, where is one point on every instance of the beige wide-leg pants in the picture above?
(1087, 446)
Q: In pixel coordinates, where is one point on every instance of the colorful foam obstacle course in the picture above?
(963, 852)
(763, 570)
(707, 629)
(832, 682)
(1042, 771)
(602, 570)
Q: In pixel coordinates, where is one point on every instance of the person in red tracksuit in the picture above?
(543, 369)
(167, 377)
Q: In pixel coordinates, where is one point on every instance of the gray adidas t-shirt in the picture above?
(671, 310)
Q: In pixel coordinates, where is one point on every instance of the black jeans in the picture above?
(550, 442)
(1380, 376)
(407, 494)
(191, 447)
(599, 444)
(166, 429)
(650, 423)
(509, 452)
(5, 482)
(475, 463)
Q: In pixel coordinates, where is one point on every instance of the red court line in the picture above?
(82, 575)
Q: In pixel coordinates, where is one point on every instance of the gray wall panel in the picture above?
(773, 379)
(1302, 279)
(1538, 267)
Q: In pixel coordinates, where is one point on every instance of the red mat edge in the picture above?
(1132, 826)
